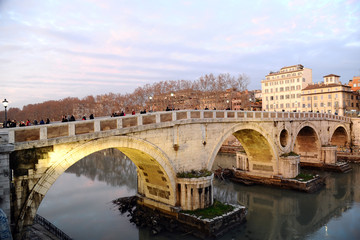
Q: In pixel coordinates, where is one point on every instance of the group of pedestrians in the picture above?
(13, 123)
(71, 118)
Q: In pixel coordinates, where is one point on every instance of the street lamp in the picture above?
(151, 108)
(5, 103)
(172, 100)
(250, 100)
(227, 101)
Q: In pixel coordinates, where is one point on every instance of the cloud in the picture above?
(92, 44)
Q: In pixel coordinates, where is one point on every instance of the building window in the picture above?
(304, 105)
(329, 104)
(271, 98)
(315, 97)
(329, 96)
(315, 104)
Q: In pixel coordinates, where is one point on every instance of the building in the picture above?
(281, 91)
(330, 96)
(355, 83)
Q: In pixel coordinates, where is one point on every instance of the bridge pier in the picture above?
(195, 193)
(288, 166)
(5, 175)
(329, 154)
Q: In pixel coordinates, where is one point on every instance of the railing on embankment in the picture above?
(51, 227)
(69, 129)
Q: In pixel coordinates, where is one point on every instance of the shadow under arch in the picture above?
(154, 170)
(256, 142)
(307, 142)
(340, 137)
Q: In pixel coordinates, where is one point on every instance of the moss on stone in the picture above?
(304, 177)
(217, 209)
(289, 154)
(194, 174)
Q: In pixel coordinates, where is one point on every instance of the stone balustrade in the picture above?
(70, 129)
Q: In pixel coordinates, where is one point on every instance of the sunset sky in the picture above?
(53, 49)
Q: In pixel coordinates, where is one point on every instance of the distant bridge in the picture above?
(162, 144)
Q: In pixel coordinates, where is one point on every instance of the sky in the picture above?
(53, 49)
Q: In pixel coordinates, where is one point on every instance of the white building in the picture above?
(281, 91)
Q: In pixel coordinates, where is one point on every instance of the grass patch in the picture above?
(217, 209)
(304, 177)
(289, 154)
(194, 174)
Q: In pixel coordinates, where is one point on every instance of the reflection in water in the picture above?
(80, 204)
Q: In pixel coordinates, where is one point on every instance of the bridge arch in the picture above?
(257, 143)
(307, 142)
(156, 176)
(340, 136)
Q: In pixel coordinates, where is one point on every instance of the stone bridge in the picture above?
(162, 145)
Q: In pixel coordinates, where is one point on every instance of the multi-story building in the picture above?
(281, 91)
(355, 83)
(330, 96)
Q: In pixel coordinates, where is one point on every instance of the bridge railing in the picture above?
(69, 129)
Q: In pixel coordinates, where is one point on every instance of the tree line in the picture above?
(106, 104)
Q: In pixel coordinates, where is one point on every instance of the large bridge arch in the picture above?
(156, 176)
(257, 144)
(307, 142)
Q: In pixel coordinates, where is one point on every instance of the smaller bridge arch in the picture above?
(307, 143)
(340, 137)
(260, 149)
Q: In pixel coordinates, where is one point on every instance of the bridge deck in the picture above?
(20, 135)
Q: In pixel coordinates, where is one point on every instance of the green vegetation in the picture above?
(217, 209)
(289, 154)
(304, 177)
(194, 174)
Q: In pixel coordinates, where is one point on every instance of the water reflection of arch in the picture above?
(256, 141)
(154, 170)
(340, 136)
(307, 142)
(111, 166)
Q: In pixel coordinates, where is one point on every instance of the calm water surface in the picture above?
(79, 203)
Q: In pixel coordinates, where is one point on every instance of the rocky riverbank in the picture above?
(145, 217)
(185, 223)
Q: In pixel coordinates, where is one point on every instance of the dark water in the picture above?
(79, 203)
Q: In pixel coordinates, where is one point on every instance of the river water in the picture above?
(79, 203)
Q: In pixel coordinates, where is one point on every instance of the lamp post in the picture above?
(227, 101)
(5, 103)
(296, 105)
(151, 108)
(172, 100)
(250, 101)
